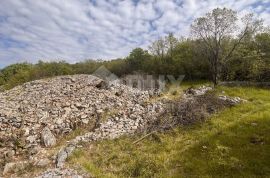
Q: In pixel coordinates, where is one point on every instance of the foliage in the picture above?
(136, 58)
(16, 74)
(218, 27)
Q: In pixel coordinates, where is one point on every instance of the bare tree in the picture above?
(171, 43)
(214, 30)
(158, 48)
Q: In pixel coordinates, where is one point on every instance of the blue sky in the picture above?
(74, 30)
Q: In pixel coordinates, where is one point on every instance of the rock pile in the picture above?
(197, 91)
(114, 127)
(35, 114)
(233, 100)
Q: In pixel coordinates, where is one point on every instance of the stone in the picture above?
(42, 162)
(99, 111)
(102, 85)
(26, 131)
(63, 154)
(78, 105)
(120, 126)
(31, 139)
(197, 92)
(33, 149)
(9, 154)
(59, 121)
(233, 100)
(47, 137)
(15, 167)
(85, 121)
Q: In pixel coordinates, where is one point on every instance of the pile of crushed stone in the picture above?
(34, 115)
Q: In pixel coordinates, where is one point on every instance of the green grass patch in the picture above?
(232, 143)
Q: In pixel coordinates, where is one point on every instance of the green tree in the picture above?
(263, 46)
(10, 71)
(136, 59)
(215, 28)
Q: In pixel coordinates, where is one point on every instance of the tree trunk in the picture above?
(215, 81)
(215, 71)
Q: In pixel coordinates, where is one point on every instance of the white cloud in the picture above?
(76, 30)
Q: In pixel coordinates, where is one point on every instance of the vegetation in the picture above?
(215, 32)
(232, 143)
(217, 53)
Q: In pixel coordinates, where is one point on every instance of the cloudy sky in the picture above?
(74, 30)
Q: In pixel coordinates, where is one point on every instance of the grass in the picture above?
(232, 143)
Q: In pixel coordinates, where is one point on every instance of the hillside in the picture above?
(44, 122)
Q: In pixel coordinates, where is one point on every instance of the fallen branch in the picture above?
(147, 135)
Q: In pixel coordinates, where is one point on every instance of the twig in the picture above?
(137, 141)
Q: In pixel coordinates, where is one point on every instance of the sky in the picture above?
(75, 30)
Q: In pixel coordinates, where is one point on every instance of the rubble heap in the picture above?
(37, 113)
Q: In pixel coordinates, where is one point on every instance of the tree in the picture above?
(136, 58)
(263, 45)
(171, 43)
(9, 71)
(214, 30)
(158, 48)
